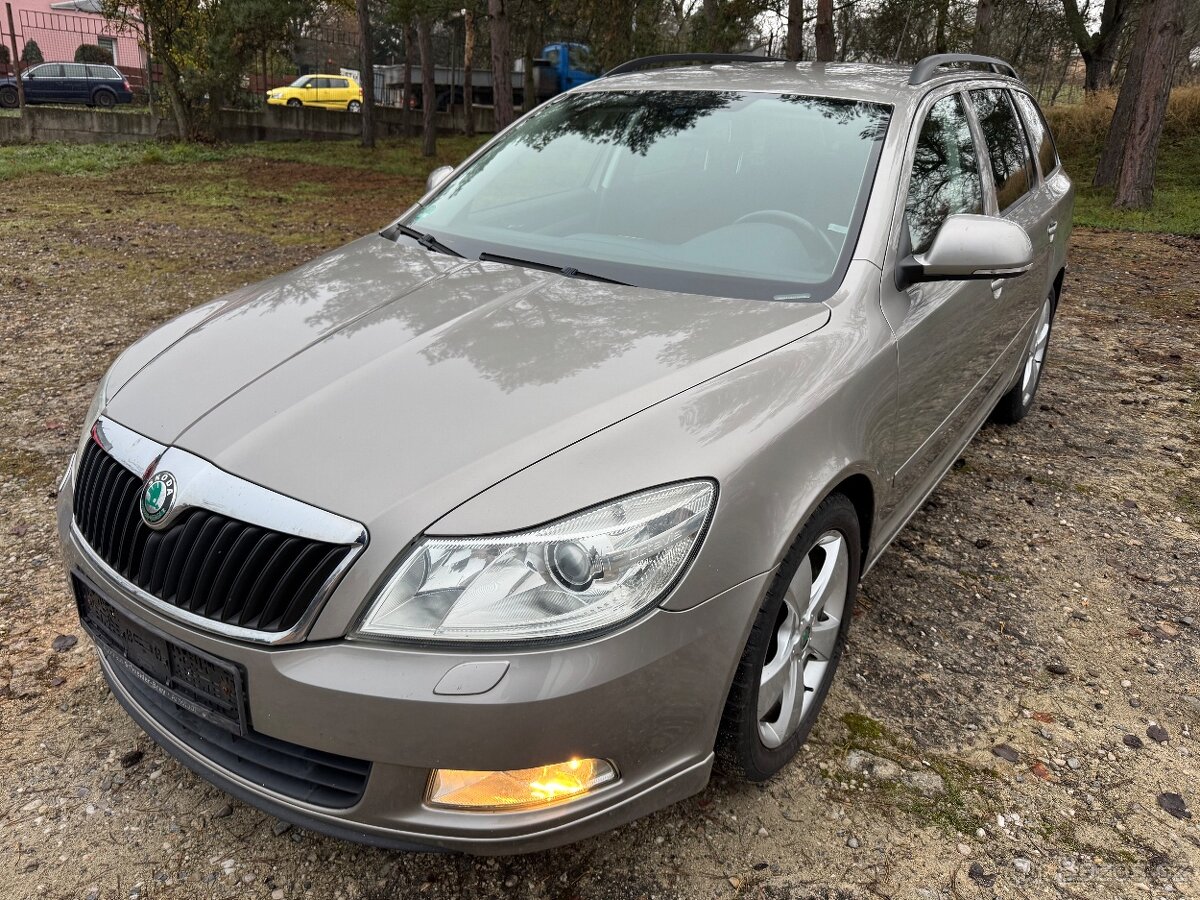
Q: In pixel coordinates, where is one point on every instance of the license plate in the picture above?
(202, 684)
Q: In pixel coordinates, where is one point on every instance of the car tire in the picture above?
(294, 103)
(353, 106)
(8, 97)
(1016, 404)
(757, 737)
(105, 99)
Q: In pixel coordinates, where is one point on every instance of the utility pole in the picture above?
(16, 60)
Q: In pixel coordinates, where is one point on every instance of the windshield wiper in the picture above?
(428, 241)
(568, 271)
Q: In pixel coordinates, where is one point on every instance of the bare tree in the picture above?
(826, 47)
(366, 72)
(1098, 49)
(468, 71)
(428, 87)
(983, 27)
(1161, 31)
(501, 64)
(795, 30)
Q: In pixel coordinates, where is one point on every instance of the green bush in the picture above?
(93, 53)
(31, 55)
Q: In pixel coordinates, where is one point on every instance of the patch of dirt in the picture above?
(1015, 714)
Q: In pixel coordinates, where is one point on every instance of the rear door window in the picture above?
(1039, 133)
(1008, 149)
(74, 70)
(945, 174)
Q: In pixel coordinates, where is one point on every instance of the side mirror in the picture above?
(970, 247)
(437, 177)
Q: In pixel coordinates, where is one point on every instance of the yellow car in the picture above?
(328, 91)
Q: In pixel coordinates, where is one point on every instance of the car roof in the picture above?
(871, 82)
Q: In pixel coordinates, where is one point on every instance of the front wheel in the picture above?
(789, 662)
(8, 97)
(294, 103)
(353, 106)
(1016, 404)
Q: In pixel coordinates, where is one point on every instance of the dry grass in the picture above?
(1081, 127)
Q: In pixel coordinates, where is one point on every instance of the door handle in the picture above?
(1052, 229)
(997, 287)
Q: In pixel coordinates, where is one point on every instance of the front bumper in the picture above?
(648, 697)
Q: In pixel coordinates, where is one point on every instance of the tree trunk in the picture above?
(468, 72)
(179, 107)
(410, 50)
(940, 43)
(826, 48)
(428, 89)
(1162, 34)
(1097, 49)
(1097, 72)
(502, 95)
(529, 79)
(1109, 167)
(795, 30)
(367, 71)
(982, 42)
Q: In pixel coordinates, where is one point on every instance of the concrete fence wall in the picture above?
(275, 123)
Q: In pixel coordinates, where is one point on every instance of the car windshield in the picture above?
(738, 194)
(301, 81)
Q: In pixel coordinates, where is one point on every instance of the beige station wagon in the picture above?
(502, 526)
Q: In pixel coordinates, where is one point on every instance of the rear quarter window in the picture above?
(1039, 132)
(1007, 147)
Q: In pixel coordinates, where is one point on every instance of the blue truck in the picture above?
(559, 67)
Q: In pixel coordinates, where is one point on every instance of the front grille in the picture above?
(312, 776)
(205, 563)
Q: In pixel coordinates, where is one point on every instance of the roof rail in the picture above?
(646, 62)
(927, 68)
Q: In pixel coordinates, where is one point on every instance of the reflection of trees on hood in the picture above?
(635, 119)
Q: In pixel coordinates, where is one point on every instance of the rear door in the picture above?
(1015, 181)
(1052, 221)
(75, 85)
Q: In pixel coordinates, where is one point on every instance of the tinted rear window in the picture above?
(1008, 151)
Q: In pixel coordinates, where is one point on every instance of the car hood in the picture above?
(381, 377)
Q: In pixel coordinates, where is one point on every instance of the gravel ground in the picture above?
(1016, 716)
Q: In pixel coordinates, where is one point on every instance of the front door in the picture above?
(944, 329)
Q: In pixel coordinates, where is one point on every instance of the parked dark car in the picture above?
(68, 82)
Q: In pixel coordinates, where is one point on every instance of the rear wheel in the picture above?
(353, 106)
(1016, 404)
(8, 97)
(105, 99)
(795, 645)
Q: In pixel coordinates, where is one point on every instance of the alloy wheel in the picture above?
(1036, 356)
(806, 633)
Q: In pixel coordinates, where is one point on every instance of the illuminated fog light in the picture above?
(518, 788)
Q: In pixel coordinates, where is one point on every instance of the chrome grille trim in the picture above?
(232, 497)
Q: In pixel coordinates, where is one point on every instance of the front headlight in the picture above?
(580, 574)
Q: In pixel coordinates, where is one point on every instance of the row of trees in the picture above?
(204, 49)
